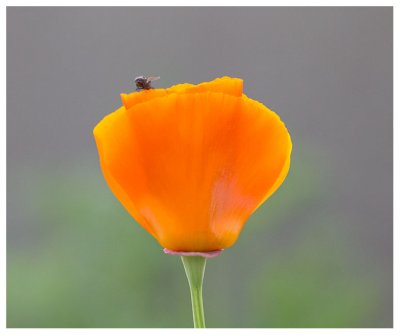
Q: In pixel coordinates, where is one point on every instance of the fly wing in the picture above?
(152, 78)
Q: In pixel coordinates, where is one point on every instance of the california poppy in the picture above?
(191, 163)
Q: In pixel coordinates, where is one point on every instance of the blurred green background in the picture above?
(318, 253)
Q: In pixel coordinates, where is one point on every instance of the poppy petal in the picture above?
(227, 85)
(194, 166)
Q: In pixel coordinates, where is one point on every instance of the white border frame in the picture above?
(267, 331)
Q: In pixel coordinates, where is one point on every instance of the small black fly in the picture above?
(144, 83)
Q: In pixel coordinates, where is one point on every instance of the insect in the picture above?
(144, 83)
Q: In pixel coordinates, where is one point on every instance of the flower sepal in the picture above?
(205, 254)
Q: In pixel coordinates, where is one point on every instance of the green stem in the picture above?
(194, 268)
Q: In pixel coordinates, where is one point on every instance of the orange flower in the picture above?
(191, 163)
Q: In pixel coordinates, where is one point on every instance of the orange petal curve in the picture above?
(192, 167)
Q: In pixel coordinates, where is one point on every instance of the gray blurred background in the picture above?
(318, 253)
